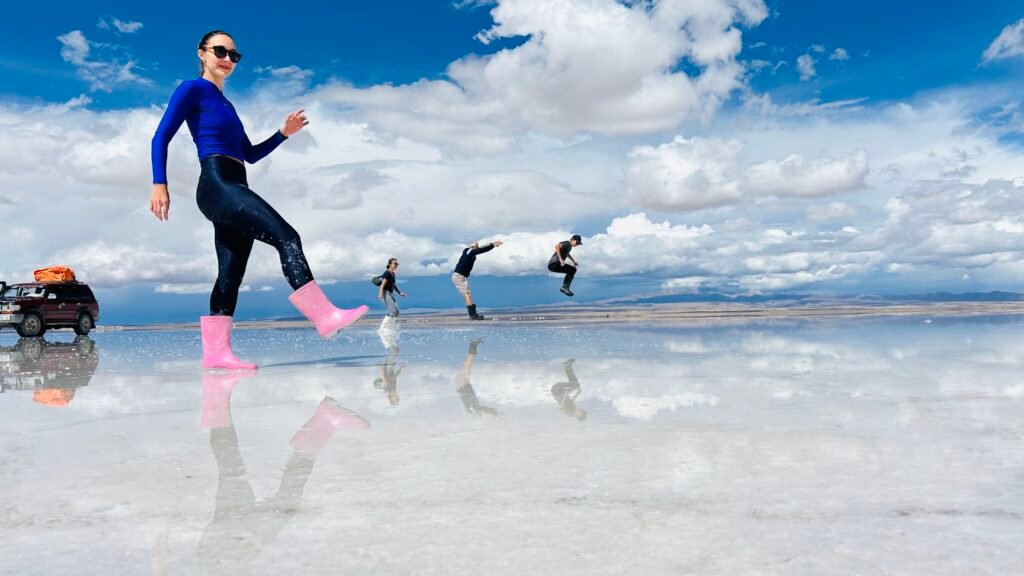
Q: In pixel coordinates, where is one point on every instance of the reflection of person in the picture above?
(465, 389)
(388, 380)
(460, 278)
(565, 393)
(242, 525)
(557, 262)
(388, 287)
(238, 214)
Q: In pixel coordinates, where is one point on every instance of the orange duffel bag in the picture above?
(55, 274)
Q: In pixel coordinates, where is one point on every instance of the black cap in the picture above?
(577, 238)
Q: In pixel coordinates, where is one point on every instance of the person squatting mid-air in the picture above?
(238, 214)
(388, 287)
(460, 278)
(557, 262)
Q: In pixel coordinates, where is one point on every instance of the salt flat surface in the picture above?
(880, 446)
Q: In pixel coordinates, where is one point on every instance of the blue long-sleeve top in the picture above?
(214, 124)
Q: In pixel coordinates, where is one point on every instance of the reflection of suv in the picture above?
(53, 370)
(35, 307)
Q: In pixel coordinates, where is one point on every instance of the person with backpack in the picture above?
(557, 262)
(460, 278)
(388, 287)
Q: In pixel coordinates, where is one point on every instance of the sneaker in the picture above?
(565, 290)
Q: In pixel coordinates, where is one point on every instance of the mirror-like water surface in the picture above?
(779, 447)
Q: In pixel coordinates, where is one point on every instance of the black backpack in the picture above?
(377, 280)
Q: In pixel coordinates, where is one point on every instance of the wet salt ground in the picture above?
(784, 447)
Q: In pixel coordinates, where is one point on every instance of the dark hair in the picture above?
(392, 260)
(206, 38)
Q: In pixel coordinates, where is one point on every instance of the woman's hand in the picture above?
(403, 294)
(380, 296)
(294, 122)
(160, 201)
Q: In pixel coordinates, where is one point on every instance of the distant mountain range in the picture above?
(784, 299)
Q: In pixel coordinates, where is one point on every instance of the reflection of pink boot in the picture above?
(216, 333)
(328, 417)
(216, 411)
(313, 303)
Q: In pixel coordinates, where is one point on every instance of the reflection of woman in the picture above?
(239, 215)
(565, 393)
(242, 525)
(465, 389)
(388, 380)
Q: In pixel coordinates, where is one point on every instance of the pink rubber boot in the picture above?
(216, 332)
(328, 417)
(216, 410)
(313, 303)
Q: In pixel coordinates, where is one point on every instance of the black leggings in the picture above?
(240, 216)
(566, 269)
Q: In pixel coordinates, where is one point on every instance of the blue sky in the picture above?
(742, 147)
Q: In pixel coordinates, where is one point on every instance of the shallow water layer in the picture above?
(779, 447)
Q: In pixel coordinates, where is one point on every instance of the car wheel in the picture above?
(84, 345)
(31, 325)
(84, 324)
(30, 348)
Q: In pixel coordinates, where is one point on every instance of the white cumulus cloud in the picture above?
(839, 54)
(691, 174)
(685, 174)
(805, 64)
(102, 75)
(799, 176)
(1009, 43)
(596, 66)
(122, 26)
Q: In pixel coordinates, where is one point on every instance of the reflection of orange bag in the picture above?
(53, 396)
(55, 274)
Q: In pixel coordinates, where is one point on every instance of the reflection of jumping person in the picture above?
(565, 393)
(465, 389)
(557, 262)
(388, 287)
(462, 270)
(239, 215)
(243, 526)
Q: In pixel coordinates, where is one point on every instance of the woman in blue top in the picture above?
(239, 215)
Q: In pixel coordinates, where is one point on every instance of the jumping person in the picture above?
(557, 262)
(460, 278)
(238, 214)
(388, 287)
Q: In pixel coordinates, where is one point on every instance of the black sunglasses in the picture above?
(220, 52)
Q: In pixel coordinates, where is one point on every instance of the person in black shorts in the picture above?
(460, 278)
(557, 262)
